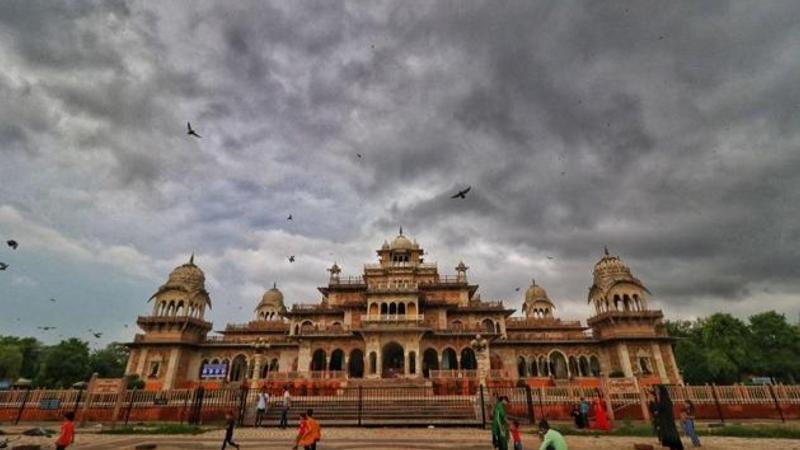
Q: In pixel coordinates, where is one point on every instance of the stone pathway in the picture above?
(387, 438)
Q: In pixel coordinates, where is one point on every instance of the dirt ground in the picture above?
(387, 438)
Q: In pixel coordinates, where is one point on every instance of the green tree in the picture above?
(10, 361)
(110, 362)
(31, 350)
(778, 346)
(64, 364)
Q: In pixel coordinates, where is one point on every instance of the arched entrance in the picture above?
(393, 360)
(558, 365)
(337, 361)
(238, 368)
(430, 361)
(449, 361)
(468, 361)
(318, 361)
(355, 368)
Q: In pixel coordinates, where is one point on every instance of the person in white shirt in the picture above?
(261, 407)
(285, 408)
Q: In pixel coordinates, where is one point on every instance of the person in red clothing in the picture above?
(302, 430)
(515, 434)
(67, 436)
(600, 416)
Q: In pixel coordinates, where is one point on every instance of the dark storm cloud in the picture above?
(665, 130)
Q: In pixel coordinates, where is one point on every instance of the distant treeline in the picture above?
(59, 365)
(723, 349)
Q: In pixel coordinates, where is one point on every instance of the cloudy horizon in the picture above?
(667, 131)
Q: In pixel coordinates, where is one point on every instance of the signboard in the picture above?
(761, 380)
(620, 385)
(213, 371)
(50, 404)
(107, 385)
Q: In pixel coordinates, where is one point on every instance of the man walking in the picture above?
(261, 407)
(230, 424)
(500, 424)
(285, 404)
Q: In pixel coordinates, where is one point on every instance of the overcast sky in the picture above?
(665, 130)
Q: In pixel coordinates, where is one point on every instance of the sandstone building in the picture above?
(403, 319)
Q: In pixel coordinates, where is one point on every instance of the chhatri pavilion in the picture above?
(403, 319)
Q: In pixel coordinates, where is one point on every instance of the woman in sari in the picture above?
(600, 416)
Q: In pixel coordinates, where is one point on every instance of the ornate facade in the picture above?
(403, 319)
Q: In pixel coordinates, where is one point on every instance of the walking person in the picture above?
(500, 424)
(551, 439)
(665, 421)
(600, 417)
(312, 432)
(302, 429)
(575, 412)
(261, 407)
(230, 424)
(285, 405)
(585, 407)
(687, 420)
(67, 436)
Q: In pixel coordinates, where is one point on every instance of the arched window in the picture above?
(456, 325)
(497, 327)
(373, 309)
(373, 362)
(238, 368)
(495, 362)
(179, 310)
(573, 367)
(626, 302)
(544, 366)
(355, 367)
(392, 309)
(468, 361)
(594, 366)
(307, 327)
(522, 367)
(384, 309)
(583, 364)
(412, 309)
(412, 363)
(488, 325)
(337, 360)
(318, 360)
(401, 309)
(449, 361)
(558, 365)
(617, 300)
(430, 361)
(533, 368)
(637, 303)
(274, 365)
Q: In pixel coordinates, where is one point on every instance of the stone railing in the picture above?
(348, 281)
(393, 318)
(530, 322)
(454, 373)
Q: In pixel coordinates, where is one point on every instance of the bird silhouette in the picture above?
(53, 300)
(462, 194)
(190, 131)
(359, 155)
(517, 289)
(289, 218)
(46, 328)
(98, 335)
(12, 243)
(3, 266)
(291, 259)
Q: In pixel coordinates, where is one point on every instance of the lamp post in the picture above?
(480, 346)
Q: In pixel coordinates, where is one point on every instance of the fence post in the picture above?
(185, 405)
(243, 392)
(541, 401)
(130, 406)
(529, 399)
(22, 407)
(716, 400)
(360, 403)
(777, 405)
(77, 401)
(483, 409)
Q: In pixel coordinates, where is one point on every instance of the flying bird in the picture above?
(462, 194)
(289, 218)
(3, 266)
(98, 335)
(190, 131)
(359, 155)
(517, 289)
(549, 257)
(53, 300)
(12, 243)
(291, 259)
(46, 328)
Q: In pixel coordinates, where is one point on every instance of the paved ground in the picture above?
(386, 438)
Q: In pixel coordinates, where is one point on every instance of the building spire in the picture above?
(605, 249)
(401, 230)
(191, 259)
(274, 285)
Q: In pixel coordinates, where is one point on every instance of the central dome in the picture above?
(535, 292)
(401, 243)
(273, 297)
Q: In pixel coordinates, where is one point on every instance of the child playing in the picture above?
(67, 436)
(515, 434)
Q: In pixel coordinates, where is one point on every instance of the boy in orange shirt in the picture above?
(515, 434)
(67, 436)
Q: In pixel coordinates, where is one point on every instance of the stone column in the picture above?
(418, 366)
(405, 363)
(662, 371)
(140, 367)
(625, 359)
(304, 357)
(172, 368)
(257, 367)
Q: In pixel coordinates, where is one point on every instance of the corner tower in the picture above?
(636, 342)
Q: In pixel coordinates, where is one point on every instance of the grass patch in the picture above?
(157, 429)
(736, 430)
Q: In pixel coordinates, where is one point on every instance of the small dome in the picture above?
(273, 298)
(401, 243)
(188, 275)
(536, 292)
